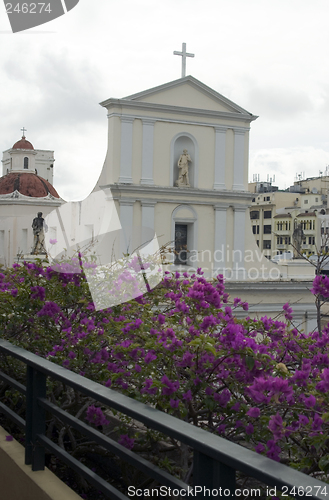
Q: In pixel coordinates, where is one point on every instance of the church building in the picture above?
(25, 189)
(177, 162)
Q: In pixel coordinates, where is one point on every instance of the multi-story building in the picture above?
(267, 200)
(287, 221)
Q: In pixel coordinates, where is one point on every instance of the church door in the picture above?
(180, 244)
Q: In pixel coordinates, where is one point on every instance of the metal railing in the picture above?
(215, 460)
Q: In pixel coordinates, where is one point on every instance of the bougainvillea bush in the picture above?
(260, 383)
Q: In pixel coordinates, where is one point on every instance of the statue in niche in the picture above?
(183, 164)
(39, 228)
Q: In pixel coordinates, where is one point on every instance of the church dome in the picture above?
(28, 184)
(23, 144)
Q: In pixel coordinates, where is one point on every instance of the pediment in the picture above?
(188, 92)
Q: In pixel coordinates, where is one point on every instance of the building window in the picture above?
(255, 229)
(266, 245)
(254, 214)
(311, 240)
(26, 162)
(267, 214)
(305, 202)
(180, 244)
(267, 229)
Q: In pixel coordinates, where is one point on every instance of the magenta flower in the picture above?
(126, 441)
(249, 429)
(321, 285)
(287, 311)
(253, 412)
(259, 448)
(96, 416)
(275, 426)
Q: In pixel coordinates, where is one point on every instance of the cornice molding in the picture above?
(166, 108)
(179, 195)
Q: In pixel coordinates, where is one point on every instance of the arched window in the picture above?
(180, 142)
(26, 162)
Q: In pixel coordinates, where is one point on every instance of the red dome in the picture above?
(23, 144)
(27, 184)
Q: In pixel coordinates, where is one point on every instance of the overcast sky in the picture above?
(270, 57)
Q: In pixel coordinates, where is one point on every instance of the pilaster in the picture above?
(147, 151)
(126, 150)
(238, 166)
(220, 154)
(239, 230)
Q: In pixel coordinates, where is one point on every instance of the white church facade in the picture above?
(207, 218)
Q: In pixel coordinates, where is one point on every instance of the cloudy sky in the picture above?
(270, 57)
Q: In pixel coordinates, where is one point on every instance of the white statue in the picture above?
(183, 164)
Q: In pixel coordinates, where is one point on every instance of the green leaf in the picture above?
(250, 362)
(324, 463)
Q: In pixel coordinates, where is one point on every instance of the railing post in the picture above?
(35, 418)
(29, 415)
(209, 474)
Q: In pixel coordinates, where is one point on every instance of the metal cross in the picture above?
(23, 130)
(184, 55)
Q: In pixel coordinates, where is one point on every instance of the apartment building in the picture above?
(287, 221)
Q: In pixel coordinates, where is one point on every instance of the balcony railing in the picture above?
(215, 460)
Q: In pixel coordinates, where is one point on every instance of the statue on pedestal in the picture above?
(183, 164)
(39, 228)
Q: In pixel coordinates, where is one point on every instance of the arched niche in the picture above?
(182, 141)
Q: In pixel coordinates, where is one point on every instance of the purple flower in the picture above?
(323, 386)
(223, 398)
(253, 412)
(275, 426)
(288, 311)
(96, 416)
(170, 387)
(174, 403)
(310, 401)
(273, 450)
(150, 356)
(38, 292)
(259, 448)
(321, 286)
(221, 428)
(50, 309)
(187, 396)
(126, 441)
(9, 438)
(249, 429)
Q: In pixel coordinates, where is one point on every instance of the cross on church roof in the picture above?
(23, 130)
(184, 55)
